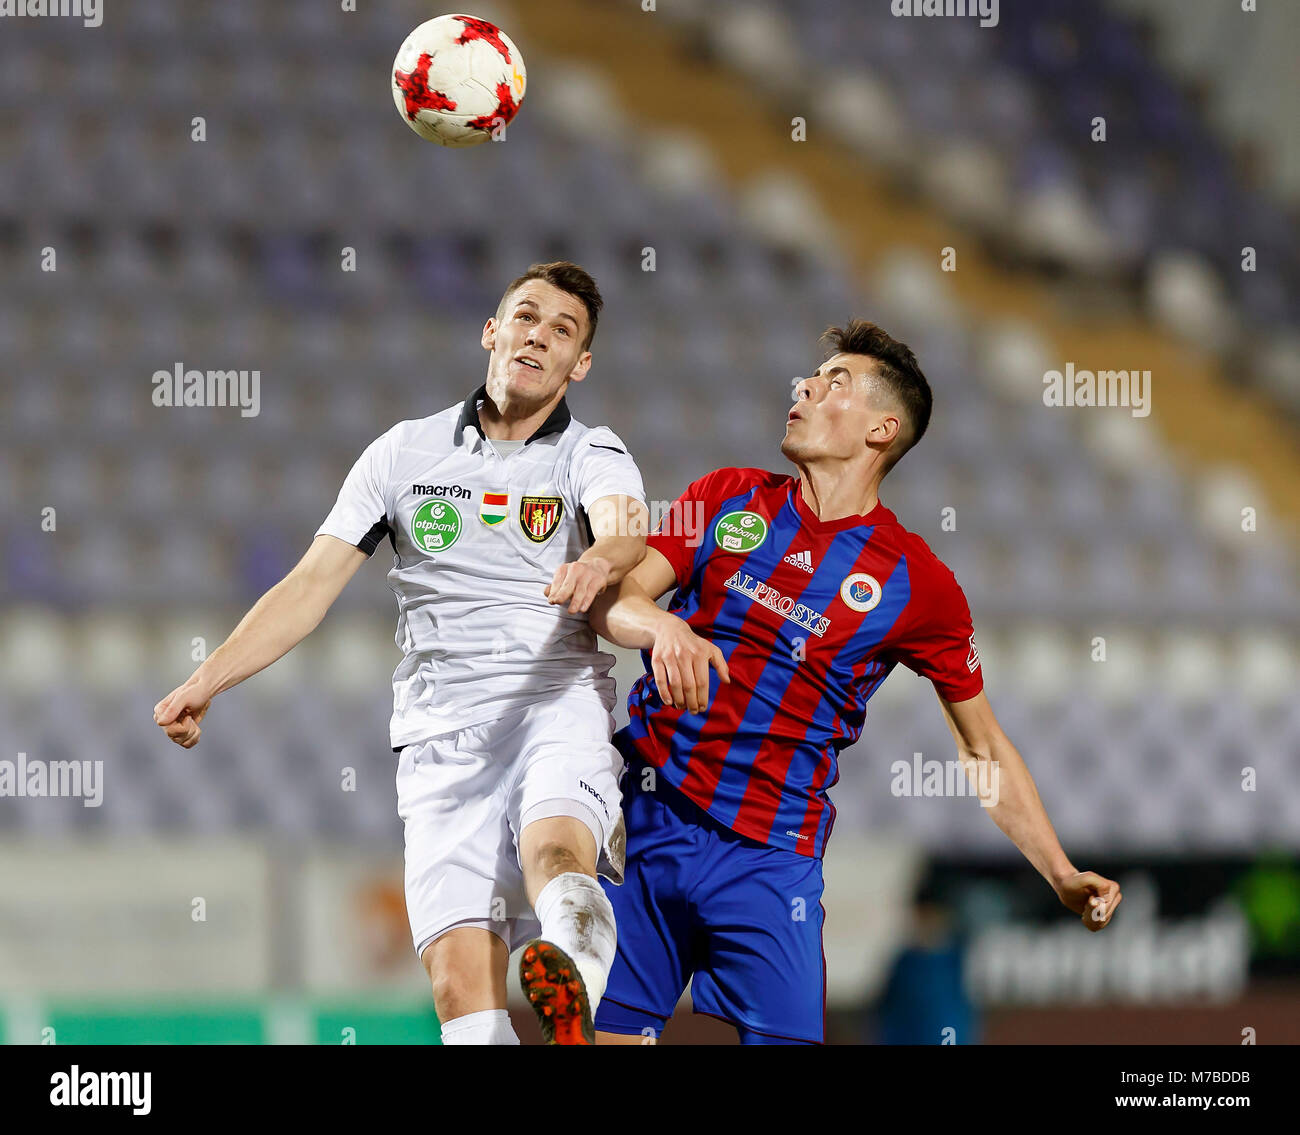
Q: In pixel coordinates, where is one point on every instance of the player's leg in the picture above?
(565, 970)
(467, 971)
(554, 845)
(564, 805)
(576, 944)
(464, 891)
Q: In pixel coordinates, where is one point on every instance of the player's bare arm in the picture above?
(281, 619)
(629, 617)
(618, 524)
(1019, 811)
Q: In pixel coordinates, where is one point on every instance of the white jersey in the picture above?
(476, 537)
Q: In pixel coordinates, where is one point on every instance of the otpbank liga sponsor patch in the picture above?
(741, 531)
(436, 525)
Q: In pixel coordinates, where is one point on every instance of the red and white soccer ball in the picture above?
(458, 80)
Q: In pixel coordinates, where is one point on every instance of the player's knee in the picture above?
(448, 996)
(555, 858)
(455, 989)
(460, 980)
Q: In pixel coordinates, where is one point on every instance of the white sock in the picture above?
(577, 917)
(491, 1026)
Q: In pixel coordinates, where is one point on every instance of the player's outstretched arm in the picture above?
(619, 524)
(1002, 779)
(628, 616)
(281, 619)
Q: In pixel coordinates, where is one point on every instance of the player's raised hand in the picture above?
(1092, 897)
(180, 712)
(680, 660)
(577, 584)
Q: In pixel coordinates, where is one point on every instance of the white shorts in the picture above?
(462, 797)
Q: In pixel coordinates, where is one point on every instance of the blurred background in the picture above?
(780, 166)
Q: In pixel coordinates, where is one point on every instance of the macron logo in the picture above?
(801, 560)
(597, 795)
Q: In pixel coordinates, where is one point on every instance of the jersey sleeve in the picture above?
(940, 642)
(360, 514)
(604, 468)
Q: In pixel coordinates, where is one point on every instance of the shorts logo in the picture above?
(540, 516)
(494, 508)
(435, 527)
(740, 531)
(861, 591)
(597, 795)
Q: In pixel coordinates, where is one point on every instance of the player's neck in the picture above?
(833, 493)
(512, 422)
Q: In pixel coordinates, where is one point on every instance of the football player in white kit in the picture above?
(507, 518)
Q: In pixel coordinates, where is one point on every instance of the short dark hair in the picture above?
(568, 277)
(896, 367)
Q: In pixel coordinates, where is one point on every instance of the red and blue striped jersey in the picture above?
(811, 617)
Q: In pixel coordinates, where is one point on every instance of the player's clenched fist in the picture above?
(1092, 897)
(180, 712)
(578, 583)
(681, 660)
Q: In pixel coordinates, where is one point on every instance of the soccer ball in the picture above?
(457, 80)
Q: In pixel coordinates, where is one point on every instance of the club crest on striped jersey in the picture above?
(861, 591)
(740, 531)
(494, 508)
(540, 516)
(436, 525)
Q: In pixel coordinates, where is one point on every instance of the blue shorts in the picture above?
(698, 900)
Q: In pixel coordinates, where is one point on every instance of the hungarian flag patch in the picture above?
(494, 508)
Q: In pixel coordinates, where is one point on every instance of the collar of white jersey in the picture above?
(556, 422)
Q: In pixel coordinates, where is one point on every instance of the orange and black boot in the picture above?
(556, 991)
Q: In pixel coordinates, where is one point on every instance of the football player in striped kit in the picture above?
(507, 517)
(802, 596)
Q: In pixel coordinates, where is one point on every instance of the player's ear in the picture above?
(580, 368)
(883, 432)
(489, 337)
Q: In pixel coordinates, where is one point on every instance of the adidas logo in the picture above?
(802, 560)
